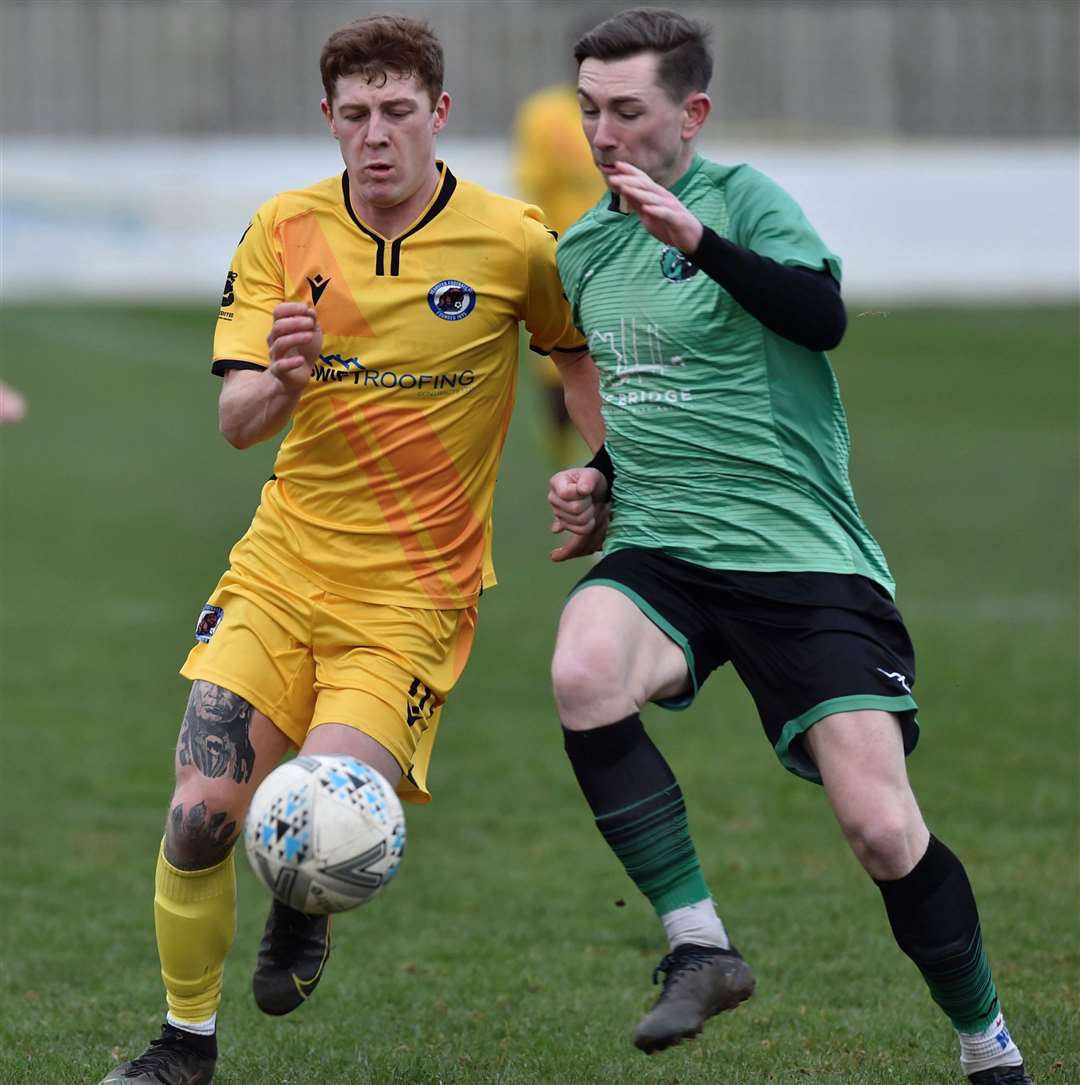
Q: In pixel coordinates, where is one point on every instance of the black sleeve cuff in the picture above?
(219, 367)
(602, 462)
(580, 349)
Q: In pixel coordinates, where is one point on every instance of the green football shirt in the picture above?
(730, 443)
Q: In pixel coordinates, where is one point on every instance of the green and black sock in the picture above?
(639, 809)
(935, 922)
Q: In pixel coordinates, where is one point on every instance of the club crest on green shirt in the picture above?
(676, 266)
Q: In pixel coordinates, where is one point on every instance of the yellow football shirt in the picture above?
(384, 483)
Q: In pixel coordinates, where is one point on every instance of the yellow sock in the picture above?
(195, 920)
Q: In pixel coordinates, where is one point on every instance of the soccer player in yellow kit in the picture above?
(554, 168)
(378, 312)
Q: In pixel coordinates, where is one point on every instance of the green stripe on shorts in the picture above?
(800, 764)
(661, 623)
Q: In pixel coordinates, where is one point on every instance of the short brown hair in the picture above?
(379, 46)
(682, 45)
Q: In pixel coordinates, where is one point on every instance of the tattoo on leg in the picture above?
(198, 840)
(216, 733)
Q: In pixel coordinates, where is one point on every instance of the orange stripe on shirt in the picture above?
(435, 487)
(397, 519)
(307, 254)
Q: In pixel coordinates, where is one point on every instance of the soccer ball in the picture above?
(325, 834)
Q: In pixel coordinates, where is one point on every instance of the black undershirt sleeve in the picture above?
(800, 304)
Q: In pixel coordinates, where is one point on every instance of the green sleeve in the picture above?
(765, 219)
(568, 257)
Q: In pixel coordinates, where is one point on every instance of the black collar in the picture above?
(448, 182)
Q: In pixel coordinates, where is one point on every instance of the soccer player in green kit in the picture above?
(732, 534)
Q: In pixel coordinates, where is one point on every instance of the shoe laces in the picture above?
(159, 1055)
(686, 958)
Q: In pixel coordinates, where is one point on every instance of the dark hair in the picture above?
(682, 45)
(379, 46)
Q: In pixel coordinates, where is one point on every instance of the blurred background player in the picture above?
(12, 404)
(377, 311)
(554, 169)
(734, 536)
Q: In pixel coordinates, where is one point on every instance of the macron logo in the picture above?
(896, 676)
(318, 285)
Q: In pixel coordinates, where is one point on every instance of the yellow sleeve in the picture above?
(255, 284)
(547, 312)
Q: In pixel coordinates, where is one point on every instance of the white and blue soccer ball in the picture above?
(325, 834)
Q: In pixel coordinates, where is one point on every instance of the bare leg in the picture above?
(225, 750)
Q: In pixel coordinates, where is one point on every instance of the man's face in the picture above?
(387, 135)
(629, 117)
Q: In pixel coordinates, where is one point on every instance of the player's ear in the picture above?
(441, 112)
(695, 113)
(328, 116)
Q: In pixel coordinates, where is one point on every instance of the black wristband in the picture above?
(601, 461)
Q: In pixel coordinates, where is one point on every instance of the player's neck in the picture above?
(391, 221)
(680, 166)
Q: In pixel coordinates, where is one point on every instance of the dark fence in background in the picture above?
(785, 68)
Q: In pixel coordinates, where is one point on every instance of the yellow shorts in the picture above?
(303, 656)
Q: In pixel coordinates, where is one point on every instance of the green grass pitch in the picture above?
(511, 948)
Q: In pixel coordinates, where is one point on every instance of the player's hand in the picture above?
(576, 497)
(662, 213)
(295, 341)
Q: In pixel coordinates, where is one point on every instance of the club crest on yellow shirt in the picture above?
(451, 299)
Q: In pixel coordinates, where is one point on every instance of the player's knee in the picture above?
(585, 677)
(885, 843)
(201, 828)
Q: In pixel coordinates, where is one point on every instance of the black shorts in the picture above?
(806, 645)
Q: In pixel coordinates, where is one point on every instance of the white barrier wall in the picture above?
(929, 222)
